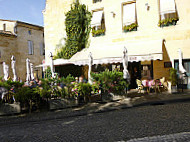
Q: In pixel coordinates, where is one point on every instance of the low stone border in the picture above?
(10, 109)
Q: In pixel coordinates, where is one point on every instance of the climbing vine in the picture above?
(78, 28)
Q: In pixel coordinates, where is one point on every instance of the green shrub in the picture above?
(45, 90)
(48, 73)
(68, 82)
(111, 81)
(27, 97)
(84, 89)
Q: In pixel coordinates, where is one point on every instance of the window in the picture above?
(4, 27)
(42, 49)
(168, 13)
(30, 47)
(98, 23)
(95, 1)
(129, 17)
(29, 32)
(15, 30)
(146, 71)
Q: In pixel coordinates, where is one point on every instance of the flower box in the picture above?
(129, 28)
(99, 32)
(168, 22)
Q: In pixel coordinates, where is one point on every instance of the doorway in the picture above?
(135, 73)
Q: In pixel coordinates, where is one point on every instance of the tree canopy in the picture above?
(78, 28)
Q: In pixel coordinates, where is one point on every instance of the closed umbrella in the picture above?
(32, 71)
(5, 71)
(90, 67)
(28, 77)
(182, 71)
(13, 65)
(181, 68)
(125, 65)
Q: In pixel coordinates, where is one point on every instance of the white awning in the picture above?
(61, 62)
(137, 51)
(42, 65)
(167, 6)
(97, 18)
(129, 14)
(56, 63)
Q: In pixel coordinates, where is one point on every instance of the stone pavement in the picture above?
(179, 137)
(155, 122)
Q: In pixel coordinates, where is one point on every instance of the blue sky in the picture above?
(29, 11)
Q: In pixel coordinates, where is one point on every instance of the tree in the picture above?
(78, 28)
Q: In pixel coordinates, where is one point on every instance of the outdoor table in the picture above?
(145, 85)
(148, 84)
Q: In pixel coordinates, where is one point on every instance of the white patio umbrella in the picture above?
(125, 65)
(5, 71)
(13, 65)
(90, 67)
(181, 68)
(28, 77)
(32, 71)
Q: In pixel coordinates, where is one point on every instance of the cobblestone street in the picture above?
(144, 123)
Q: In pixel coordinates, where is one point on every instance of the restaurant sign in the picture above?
(140, 58)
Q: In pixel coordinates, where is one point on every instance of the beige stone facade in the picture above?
(147, 18)
(14, 41)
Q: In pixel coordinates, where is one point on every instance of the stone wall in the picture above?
(7, 48)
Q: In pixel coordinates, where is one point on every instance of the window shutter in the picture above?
(41, 49)
(29, 47)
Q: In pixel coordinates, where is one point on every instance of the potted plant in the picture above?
(173, 81)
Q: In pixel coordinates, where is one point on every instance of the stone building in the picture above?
(152, 31)
(23, 40)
